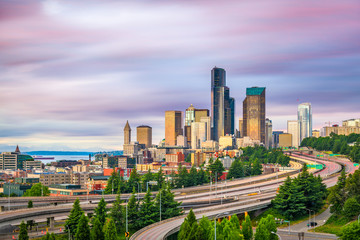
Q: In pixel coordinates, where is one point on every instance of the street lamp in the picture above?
(9, 194)
(225, 213)
(310, 217)
(139, 187)
(276, 234)
(160, 205)
(68, 231)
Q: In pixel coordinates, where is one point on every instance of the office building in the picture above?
(293, 127)
(268, 134)
(276, 138)
(16, 160)
(144, 135)
(198, 134)
(316, 133)
(348, 127)
(207, 121)
(193, 114)
(222, 105)
(127, 133)
(254, 114)
(285, 140)
(172, 127)
(181, 141)
(305, 121)
(226, 142)
(241, 128)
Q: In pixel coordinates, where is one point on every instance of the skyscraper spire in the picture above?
(17, 150)
(127, 133)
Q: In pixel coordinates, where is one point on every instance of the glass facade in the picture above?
(222, 105)
(305, 121)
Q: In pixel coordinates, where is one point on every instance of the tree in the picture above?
(110, 230)
(236, 170)
(351, 208)
(247, 228)
(35, 191)
(169, 206)
(113, 182)
(217, 168)
(83, 230)
(147, 213)
(74, 218)
(265, 228)
(337, 196)
(133, 181)
(205, 228)
(132, 209)
(117, 213)
(96, 232)
(353, 185)
(193, 177)
(23, 234)
(101, 212)
(30, 204)
(351, 231)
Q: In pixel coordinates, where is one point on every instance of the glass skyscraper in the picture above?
(305, 120)
(222, 105)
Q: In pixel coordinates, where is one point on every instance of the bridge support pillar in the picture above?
(52, 222)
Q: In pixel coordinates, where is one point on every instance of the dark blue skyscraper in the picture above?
(222, 105)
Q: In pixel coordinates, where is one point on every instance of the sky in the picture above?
(72, 72)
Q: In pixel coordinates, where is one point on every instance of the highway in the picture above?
(228, 195)
(165, 228)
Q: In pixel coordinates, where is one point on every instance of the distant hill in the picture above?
(74, 153)
(58, 153)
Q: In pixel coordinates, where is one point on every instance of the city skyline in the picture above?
(71, 78)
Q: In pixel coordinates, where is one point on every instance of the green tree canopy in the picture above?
(74, 218)
(101, 212)
(110, 230)
(23, 234)
(96, 232)
(35, 191)
(117, 213)
(83, 230)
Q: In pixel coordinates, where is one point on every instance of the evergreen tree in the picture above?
(193, 177)
(112, 185)
(132, 209)
(234, 220)
(23, 234)
(204, 229)
(184, 230)
(83, 230)
(169, 206)
(30, 204)
(353, 185)
(52, 236)
(74, 217)
(337, 196)
(110, 230)
(189, 228)
(46, 237)
(217, 168)
(117, 213)
(160, 178)
(145, 179)
(262, 232)
(133, 181)
(101, 212)
(96, 232)
(147, 213)
(271, 227)
(247, 228)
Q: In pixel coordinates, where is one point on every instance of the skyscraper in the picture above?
(222, 105)
(268, 134)
(198, 134)
(305, 121)
(254, 114)
(127, 133)
(172, 127)
(144, 135)
(193, 114)
(293, 129)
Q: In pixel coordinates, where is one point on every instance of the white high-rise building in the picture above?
(198, 134)
(293, 129)
(207, 120)
(305, 121)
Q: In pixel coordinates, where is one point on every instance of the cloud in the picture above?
(73, 72)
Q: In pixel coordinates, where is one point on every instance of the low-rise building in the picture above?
(48, 179)
(16, 188)
(67, 190)
(178, 157)
(226, 142)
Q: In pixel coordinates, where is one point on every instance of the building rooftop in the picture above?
(254, 91)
